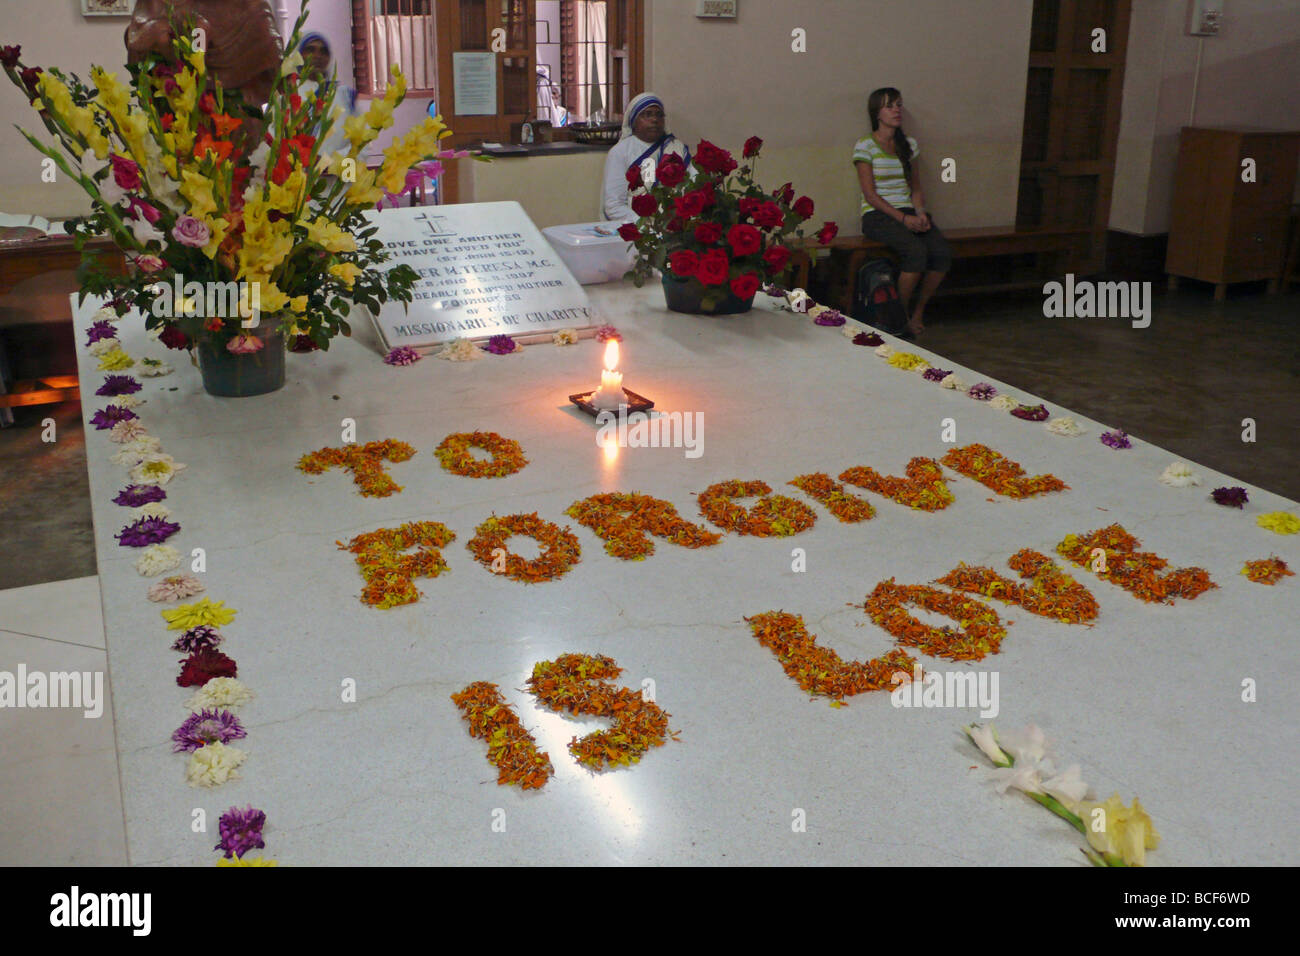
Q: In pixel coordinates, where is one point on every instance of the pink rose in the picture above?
(125, 172)
(244, 344)
(149, 264)
(192, 232)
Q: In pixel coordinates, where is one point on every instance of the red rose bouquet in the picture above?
(712, 226)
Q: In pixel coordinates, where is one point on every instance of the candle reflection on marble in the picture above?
(610, 393)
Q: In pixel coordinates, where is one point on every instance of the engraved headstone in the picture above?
(484, 269)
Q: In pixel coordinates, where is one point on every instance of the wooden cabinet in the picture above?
(1223, 229)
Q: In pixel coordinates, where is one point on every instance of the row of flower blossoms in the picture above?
(205, 735)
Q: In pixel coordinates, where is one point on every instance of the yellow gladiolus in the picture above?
(364, 192)
(380, 114)
(287, 197)
(198, 60)
(329, 236)
(396, 87)
(218, 228)
(1117, 830)
(298, 305)
(197, 188)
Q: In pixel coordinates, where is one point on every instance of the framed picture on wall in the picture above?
(107, 8)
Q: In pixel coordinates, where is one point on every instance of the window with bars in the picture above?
(596, 47)
(402, 32)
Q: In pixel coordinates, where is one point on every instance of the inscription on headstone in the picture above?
(484, 269)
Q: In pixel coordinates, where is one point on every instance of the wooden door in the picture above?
(1072, 110)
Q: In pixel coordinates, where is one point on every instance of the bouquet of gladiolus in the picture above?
(195, 185)
(715, 227)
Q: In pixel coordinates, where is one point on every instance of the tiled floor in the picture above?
(58, 768)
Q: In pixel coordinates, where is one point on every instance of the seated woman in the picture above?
(893, 206)
(643, 140)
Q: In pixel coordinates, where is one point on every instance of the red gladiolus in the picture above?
(712, 159)
(125, 172)
(633, 177)
(684, 263)
(776, 257)
(744, 286)
(166, 121)
(206, 143)
(29, 76)
(713, 266)
(213, 324)
(828, 232)
(768, 215)
(644, 205)
(207, 103)
(803, 207)
(744, 240)
(671, 170)
(707, 233)
(690, 205)
(225, 125)
(9, 56)
(752, 146)
(629, 231)
(295, 102)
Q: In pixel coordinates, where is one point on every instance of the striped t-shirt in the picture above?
(891, 184)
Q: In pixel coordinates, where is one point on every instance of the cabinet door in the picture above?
(1275, 172)
(1185, 218)
(1256, 246)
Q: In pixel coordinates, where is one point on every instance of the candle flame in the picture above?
(611, 355)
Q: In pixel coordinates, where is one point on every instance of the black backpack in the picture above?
(876, 297)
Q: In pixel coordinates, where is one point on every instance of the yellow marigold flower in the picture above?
(1279, 522)
(347, 271)
(201, 613)
(328, 236)
(1119, 831)
(197, 188)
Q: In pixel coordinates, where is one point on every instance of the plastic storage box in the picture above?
(593, 251)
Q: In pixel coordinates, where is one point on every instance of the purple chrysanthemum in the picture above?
(119, 385)
(241, 831)
(110, 415)
(775, 291)
(146, 531)
(206, 727)
(981, 391)
(936, 374)
(500, 345)
(198, 638)
(1234, 497)
(1116, 439)
(133, 496)
(606, 332)
(100, 330)
(868, 338)
(1031, 413)
(830, 317)
(402, 355)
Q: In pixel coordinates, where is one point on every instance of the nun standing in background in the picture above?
(644, 140)
(318, 67)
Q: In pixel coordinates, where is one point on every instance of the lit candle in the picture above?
(610, 393)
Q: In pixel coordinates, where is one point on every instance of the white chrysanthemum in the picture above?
(103, 346)
(219, 693)
(1065, 426)
(565, 337)
(953, 380)
(213, 765)
(1004, 403)
(155, 468)
(850, 330)
(798, 300)
(127, 431)
(816, 310)
(106, 314)
(137, 450)
(461, 350)
(154, 509)
(156, 559)
(920, 367)
(151, 368)
(1180, 475)
(127, 401)
(884, 351)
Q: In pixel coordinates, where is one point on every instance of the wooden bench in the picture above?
(1056, 250)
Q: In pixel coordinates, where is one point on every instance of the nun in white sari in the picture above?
(643, 144)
